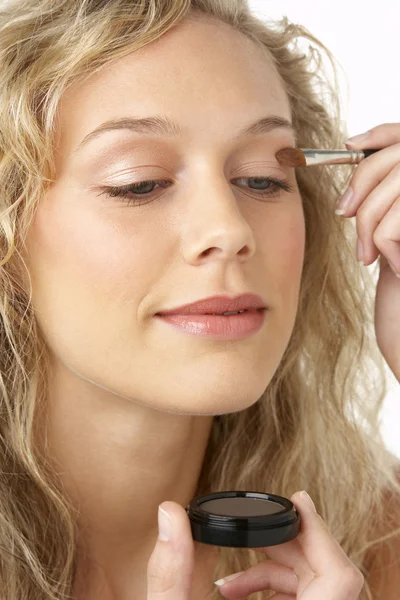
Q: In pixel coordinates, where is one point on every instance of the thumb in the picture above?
(171, 565)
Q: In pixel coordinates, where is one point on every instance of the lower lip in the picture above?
(217, 326)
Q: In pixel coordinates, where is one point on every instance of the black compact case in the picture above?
(242, 519)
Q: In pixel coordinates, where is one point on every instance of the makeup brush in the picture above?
(308, 157)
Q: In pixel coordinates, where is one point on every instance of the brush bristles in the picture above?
(291, 157)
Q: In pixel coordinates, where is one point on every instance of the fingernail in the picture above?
(360, 252)
(344, 202)
(227, 578)
(164, 525)
(358, 138)
(307, 498)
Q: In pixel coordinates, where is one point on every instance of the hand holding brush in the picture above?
(373, 197)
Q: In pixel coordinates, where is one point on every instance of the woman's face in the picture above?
(102, 268)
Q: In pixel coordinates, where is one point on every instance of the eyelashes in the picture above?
(275, 187)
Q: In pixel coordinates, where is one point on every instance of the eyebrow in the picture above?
(163, 126)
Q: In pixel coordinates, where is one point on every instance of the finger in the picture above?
(288, 553)
(387, 316)
(336, 577)
(291, 555)
(322, 551)
(380, 136)
(266, 575)
(386, 236)
(372, 211)
(171, 565)
(276, 574)
(279, 596)
(369, 173)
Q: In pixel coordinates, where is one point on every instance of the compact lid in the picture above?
(243, 518)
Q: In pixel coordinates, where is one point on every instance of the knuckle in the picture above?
(353, 577)
(362, 216)
(361, 176)
(378, 238)
(161, 580)
(392, 131)
(163, 575)
(159, 585)
(381, 240)
(363, 221)
(382, 127)
(363, 180)
(305, 573)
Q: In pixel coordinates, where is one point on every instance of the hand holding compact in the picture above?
(310, 567)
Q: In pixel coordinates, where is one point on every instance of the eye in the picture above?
(268, 186)
(274, 184)
(132, 188)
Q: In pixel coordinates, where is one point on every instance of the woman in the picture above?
(108, 408)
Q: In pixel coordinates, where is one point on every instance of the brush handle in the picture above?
(334, 157)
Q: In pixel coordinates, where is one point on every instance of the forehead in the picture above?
(201, 73)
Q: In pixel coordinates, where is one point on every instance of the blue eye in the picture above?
(273, 188)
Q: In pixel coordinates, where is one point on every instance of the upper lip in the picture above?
(218, 305)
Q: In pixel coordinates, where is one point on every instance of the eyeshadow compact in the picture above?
(242, 519)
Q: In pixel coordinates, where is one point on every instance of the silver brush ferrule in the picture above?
(332, 157)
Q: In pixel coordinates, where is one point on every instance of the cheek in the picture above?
(85, 248)
(283, 246)
(67, 249)
(283, 256)
(293, 245)
(88, 272)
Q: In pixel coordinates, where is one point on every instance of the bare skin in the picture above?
(132, 400)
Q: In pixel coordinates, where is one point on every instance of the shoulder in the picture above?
(384, 575)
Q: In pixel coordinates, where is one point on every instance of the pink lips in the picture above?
(218, 327)
(204, 318)
(217, 305)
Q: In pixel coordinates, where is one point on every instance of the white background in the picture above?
(364, 41)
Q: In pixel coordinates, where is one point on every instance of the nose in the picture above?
(215, 228)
